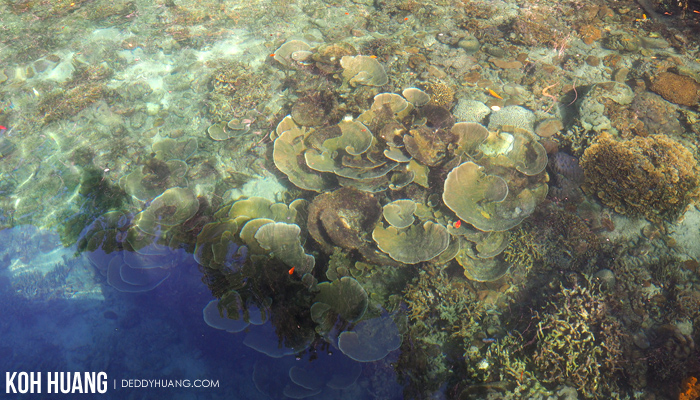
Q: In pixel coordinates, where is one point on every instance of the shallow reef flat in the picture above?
(452, 199)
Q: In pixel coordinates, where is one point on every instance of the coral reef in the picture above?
(655, 177)
(36, 285)
(63, 104)
(578, 342)
(236, 91)
(443, 312)
(392, 218)
(676, 88)
(441, 94)
(689, 389)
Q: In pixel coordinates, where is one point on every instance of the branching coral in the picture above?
(441, 310)
(578, 342)
(523, 250)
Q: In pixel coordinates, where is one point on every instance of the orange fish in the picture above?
(291, 271)
(458, 224)
(494, 94)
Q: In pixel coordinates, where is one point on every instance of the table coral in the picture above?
(654, 176)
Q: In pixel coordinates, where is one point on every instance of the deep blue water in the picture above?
(152, 338)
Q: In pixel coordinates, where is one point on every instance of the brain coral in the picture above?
(652, 176)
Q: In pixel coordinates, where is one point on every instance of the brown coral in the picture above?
(441, 94)
(589, 34)
(676, 88)
(59, 105)
(652, 176)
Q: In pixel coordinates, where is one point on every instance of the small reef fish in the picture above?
(494, 94)
(291, 271)
(458, 224)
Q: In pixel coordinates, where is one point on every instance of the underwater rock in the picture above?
(597, 104)
(470, 44)
(428, 146)
(567, 166)
(63, 104)
(315, 109)
(549, 128)
(436, 116)
(657, 115)
(332, 53)
(567, 177)
(622, 42)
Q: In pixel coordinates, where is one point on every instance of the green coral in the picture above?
(578, 342)
(381, 282)
(523, 250)
(444, 315)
